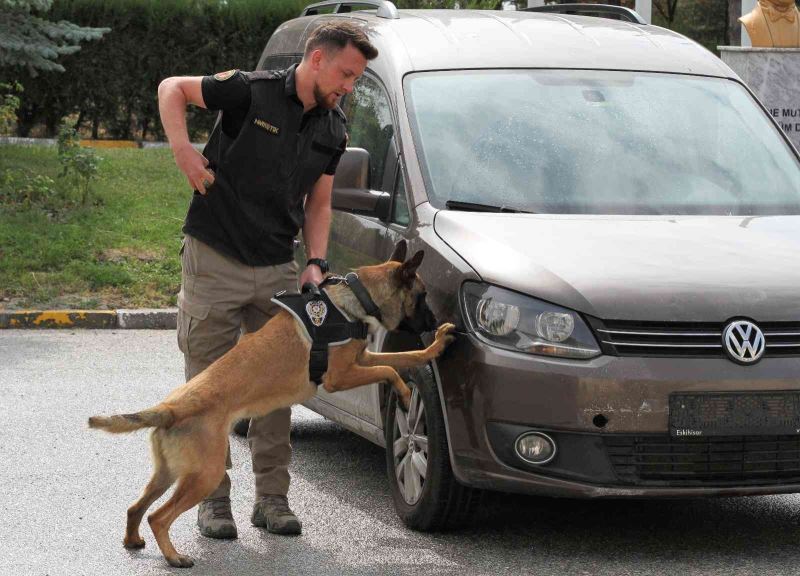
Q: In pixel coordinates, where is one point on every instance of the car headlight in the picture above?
(516, 322)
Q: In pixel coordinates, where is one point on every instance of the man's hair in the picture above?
(334, 36)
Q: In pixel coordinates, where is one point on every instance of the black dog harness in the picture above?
(323, 323)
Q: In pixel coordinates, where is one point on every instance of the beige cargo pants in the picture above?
(220, 299)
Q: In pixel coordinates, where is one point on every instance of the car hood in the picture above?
(638, 268)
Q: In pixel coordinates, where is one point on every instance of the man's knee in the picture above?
(272, 427)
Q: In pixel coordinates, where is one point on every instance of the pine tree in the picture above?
(27, 39)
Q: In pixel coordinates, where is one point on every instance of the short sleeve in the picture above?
(334, 163)
(226, 91)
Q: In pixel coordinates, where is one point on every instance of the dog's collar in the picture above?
(362, 295)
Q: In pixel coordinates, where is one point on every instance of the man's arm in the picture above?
(317, 226)
(173, 95)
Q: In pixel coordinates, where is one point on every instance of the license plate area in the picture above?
(734, 414)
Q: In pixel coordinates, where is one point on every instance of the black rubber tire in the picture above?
(444, 504)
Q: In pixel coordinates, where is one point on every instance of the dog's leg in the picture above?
(411, 358)
(161, 480)
(356, 376)
(158, 484)
(192, 488)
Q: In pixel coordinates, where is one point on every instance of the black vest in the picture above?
(254, 210)
(324, 325)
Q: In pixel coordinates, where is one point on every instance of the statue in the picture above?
(773, 24)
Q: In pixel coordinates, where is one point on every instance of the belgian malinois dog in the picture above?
(266, 370)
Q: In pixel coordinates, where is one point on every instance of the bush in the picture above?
(9, 103)
(22, 190)
(79, 165)
(25, 188)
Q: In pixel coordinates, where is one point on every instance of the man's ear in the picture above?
(399, 253)
(316, 59)
(406, 273)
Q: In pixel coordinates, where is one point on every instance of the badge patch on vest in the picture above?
(266, 126)
(317, 311)
(222, 76)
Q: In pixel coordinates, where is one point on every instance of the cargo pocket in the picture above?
(190, 258)
(190, 314)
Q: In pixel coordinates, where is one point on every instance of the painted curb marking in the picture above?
(100, 319)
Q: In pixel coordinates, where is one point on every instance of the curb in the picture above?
(143, 319)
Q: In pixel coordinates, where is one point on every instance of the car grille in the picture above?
(661, 460)
(694, 339)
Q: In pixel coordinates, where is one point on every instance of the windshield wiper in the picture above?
(475, 207)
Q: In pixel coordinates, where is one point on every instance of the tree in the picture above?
(668, 9)
(27, 39)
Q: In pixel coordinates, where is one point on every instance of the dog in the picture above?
(266, 370)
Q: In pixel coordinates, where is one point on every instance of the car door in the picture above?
(357, 240)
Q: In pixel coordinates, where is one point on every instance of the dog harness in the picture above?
(323, 323)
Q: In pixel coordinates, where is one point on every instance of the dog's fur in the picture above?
(266, 370)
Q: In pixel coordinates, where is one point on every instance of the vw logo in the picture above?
(743, 341)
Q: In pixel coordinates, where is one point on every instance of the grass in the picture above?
(122, 251)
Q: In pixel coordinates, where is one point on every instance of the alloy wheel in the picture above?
(411, 448)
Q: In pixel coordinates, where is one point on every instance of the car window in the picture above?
(400, 212)
(356, 8)
(278, 61)
(369, 124)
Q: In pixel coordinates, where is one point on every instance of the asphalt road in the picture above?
(65, 490)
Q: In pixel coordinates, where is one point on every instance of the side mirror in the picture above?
(351, 192)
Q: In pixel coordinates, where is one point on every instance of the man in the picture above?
(266, 172)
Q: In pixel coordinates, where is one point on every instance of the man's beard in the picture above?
(323, 100)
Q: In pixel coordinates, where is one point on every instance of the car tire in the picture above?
(426, 495)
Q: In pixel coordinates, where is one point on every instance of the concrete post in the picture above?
(645, 10)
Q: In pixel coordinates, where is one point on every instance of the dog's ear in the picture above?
(408, 270)
(399, 253)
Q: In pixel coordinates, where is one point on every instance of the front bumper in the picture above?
(592, 408)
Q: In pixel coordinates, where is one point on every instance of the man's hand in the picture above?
(194, 166)
(311, 274)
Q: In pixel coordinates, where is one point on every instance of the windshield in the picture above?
(599, 142)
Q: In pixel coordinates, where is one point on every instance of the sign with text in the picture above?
(789, 120)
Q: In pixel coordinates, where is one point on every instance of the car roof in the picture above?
(471, 39)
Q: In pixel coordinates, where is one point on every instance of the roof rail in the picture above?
(386, 9)
(602, 10)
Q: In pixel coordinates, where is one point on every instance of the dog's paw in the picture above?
(442, 340)
(443, 333)
(133, 543)
(444, 329)
(180, 561)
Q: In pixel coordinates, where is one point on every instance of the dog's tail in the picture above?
(157, 417)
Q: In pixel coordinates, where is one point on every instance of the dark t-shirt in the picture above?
(233, 96)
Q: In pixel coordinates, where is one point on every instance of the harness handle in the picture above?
(310, 288)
